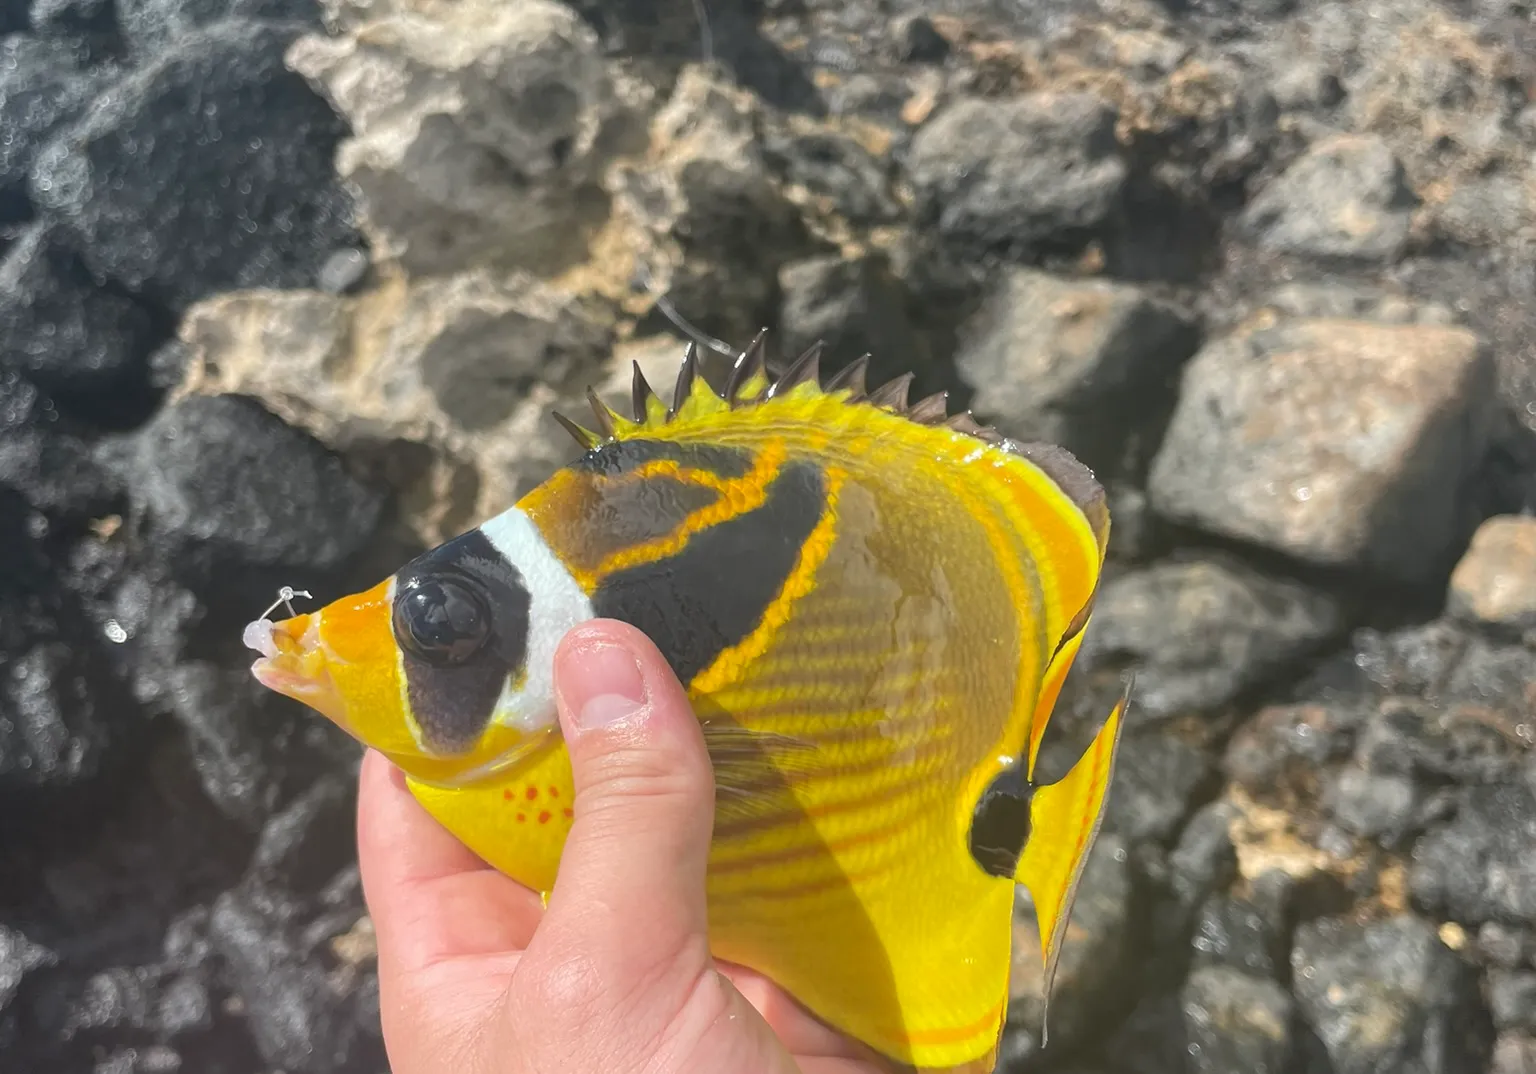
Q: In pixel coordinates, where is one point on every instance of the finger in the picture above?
(644, 807)
(430, 897)
(801, 1031)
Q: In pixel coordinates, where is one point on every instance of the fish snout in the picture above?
(294, 663)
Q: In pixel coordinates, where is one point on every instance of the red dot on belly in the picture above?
(533, 792)
(544, 817)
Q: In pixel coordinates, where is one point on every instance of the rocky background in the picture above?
(288, 288)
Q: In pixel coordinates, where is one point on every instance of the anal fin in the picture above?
(1064, 821)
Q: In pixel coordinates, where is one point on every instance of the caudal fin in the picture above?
(1064, 821)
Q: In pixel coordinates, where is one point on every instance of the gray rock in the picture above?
(153, 1059)
(236, 738)
(917, 40)
(1157, 777)
(297, 1015)
(1347, 197)
(1080, 363)
(1235, 933)
(1495, 582)
(56, 473)
(225, 485)
(142, 181)
(42, 86)
(1198, 633)
(1377, 805)
(1505, 946)
(1512, 998)
(18, 958)
(61, 331)
(1016, 172)
(831, 165)
(1202, 862)
(148, 26)
(479, 132)
(1286, 744)
(1340, 443)
(1090, 973)
(1356, 302)
(1479, 867)
(1389, 996)
(54, 730)
(1487, 210)
(70, 17)
(1236, 1022)
(1514, 1053)
(856, 307)
(712, 224)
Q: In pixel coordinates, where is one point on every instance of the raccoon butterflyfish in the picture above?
(873, 607)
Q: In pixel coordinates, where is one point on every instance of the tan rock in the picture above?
(1340, 443)
(482, 129)
(1495, 582)
(445, 384)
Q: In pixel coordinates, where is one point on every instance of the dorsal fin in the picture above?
(749, 385)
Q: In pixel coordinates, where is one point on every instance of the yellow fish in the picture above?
(873, 607)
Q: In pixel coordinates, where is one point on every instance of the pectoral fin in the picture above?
(1064, 821)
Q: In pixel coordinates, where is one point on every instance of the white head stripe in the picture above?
(556, 604)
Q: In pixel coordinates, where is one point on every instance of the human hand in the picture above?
(615, 977)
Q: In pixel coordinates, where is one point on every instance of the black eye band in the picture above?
(442, 619)
(461, 618)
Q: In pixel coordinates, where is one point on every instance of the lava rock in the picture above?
(1505, 946)
(143, 182)
(1202, 862)
(1237, 1022)
(1386, 807)
(62, 332)
(1235, 933)
(834, 166)
(853, 305)
(917, 41)
(1347, 197)
(226, 485)
(299, 1018)
(56, 473)
(1479, 867)
(1080, 363)
(58, 705)
(1200, 632)
(1389, 996)
(1340, 443)
(1495, 582)
(1288, 744)
(236, 738)
(1018, 172)
(42, 87)
(93, 18)
(1090, 971)
(489, 146)
(19, 957)
(1156, 779)
(1486, 210)
(1512, 998)
(149, 26)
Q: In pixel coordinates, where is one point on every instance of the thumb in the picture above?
(631, 876)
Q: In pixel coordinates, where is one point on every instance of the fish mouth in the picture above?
(293, 663)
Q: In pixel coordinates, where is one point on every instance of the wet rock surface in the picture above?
(288, 289)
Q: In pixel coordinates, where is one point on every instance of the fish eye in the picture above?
(442, 620)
